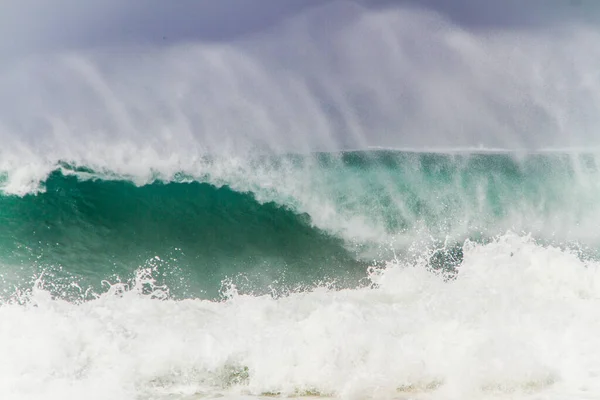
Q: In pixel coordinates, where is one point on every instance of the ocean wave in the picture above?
(293, 221)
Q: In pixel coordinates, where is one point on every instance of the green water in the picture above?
(328, 217)
(98, 228)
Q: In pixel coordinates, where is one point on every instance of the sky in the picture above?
(325, 73)
(37, 25)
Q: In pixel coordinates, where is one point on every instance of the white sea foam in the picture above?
(520, 321)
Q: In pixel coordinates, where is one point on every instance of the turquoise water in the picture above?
(281, 223)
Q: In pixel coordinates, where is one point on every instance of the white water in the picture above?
(521, 321)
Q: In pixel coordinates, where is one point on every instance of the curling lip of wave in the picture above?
(383, 195)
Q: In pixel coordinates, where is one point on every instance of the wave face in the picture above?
(96, 228)
(303, 220)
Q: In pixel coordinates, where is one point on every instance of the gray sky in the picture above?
(38, 25)
(34, 25)
(506, 14)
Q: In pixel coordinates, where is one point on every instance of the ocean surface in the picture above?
(356, 275)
